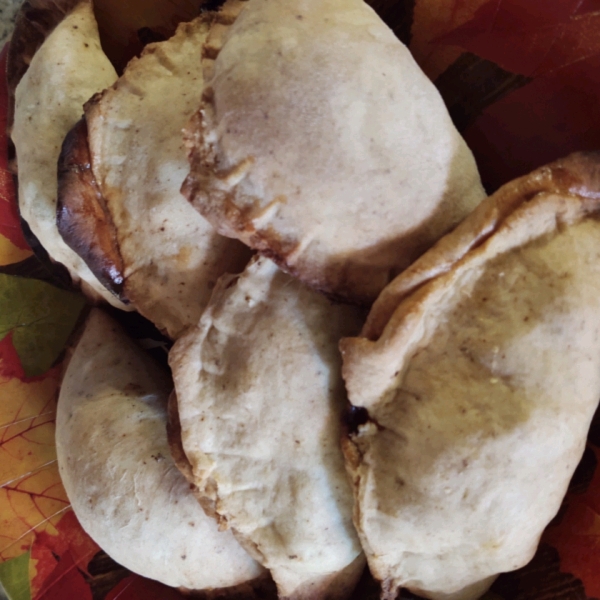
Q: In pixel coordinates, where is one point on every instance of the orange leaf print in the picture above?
(31, 495)
(48, 551)
(72, 542)
(11, 254)
(66, 581)
(35, 513)
(432, 19)
(72, 539)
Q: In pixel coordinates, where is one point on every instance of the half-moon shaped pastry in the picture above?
(260, 399)
(115, 464)
(171, 256)
(64, 72)
(320, 143)
(474, 384)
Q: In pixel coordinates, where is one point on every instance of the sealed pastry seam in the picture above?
(405, 331)
(570, 176)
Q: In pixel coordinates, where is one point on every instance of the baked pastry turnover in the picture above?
(260, 400)
(320, 143)
(474, 383)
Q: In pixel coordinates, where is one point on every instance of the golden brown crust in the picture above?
(83, 219)
(576, 174)
(35, 21)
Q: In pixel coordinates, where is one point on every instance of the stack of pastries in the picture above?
(373, 362)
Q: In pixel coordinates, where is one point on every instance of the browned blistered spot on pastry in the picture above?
(209, 52)
(183, 256)
(269, 243)
(214, 41)
(198, 155)
(83, 219)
